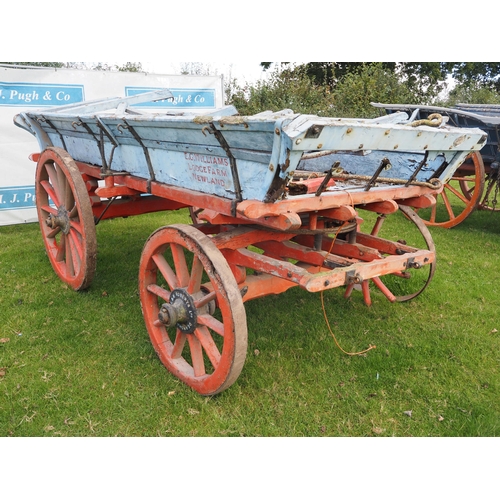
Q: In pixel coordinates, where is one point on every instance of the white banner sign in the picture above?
(25, 89)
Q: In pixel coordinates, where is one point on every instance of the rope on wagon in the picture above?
(433, 120)
(324, 309)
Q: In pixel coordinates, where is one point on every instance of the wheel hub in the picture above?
(180, 311)
(60, 220)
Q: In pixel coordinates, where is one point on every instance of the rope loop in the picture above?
(433, 120)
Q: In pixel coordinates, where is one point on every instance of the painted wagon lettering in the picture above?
(219, 160)
(207, 169)
(208, 180)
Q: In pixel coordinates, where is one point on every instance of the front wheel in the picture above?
(193, 308)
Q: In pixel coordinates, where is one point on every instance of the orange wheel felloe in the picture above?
(461, 195)
(66, 218)
(193, 308)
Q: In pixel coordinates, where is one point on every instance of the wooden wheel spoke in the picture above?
(53, 177)
(180, 264)
(166, 271)
(49, 209)
(180, 341)
(49, 189)
(52, 234)
(205, 300)
(380, 285)
(62, 183)
(457, 193)
(447, 205)
(69, 201)
(196, 275)
(67, 258)
(73, 212)
(76, 248)
(212, 323)
(61, 249)
(433, 213)
(209, 345)
(75, 226)
(159, 292)
(196, 356)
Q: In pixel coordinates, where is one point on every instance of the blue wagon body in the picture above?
(242, 158)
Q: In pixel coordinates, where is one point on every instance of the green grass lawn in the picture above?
(81, 364)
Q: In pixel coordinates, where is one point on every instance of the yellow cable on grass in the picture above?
(324, 309)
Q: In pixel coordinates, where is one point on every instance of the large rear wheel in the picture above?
(461, 195)
(401, 233)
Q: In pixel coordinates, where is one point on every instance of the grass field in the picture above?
(81, 364)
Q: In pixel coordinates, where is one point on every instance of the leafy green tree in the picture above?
(427, 80)
(370, 83)
(282, 90)
(129, 66)
(37, 64)
(484, 74)
(471, 92)
(133, 67)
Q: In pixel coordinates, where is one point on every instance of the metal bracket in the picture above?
(417, 170)
(411, 264)
(51, 125)
(383, 165)
(232, 161)
(351, 278)
(144, 148)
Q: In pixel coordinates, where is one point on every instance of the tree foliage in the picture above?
(370, 83)
(37, 64)
(99, 66)
(282, 90)
(346, 89)
(472, 92)
(484, 74)
(305, 89)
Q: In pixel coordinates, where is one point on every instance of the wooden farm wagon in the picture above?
(263, 220)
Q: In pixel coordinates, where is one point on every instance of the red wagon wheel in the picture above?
(409, 232)
(66, 218)
(489, 201)
(193, 308)
(461, 195)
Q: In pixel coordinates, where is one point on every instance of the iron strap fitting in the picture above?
(352, 278)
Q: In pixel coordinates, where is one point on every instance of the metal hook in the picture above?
(208, 129)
